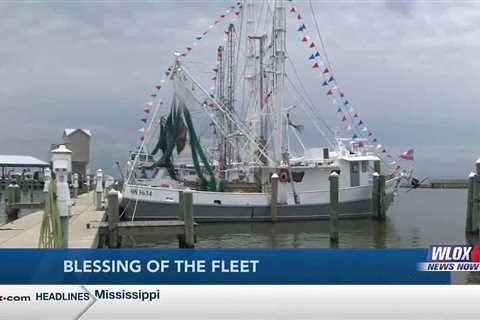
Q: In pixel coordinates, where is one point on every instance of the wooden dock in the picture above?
(91, 228)
(25, 232)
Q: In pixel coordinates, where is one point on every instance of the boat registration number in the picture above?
(141, 192)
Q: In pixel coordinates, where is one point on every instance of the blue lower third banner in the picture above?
(216, 266)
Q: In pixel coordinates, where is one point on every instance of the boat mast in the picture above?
(279, 120)
(262, 141)
(230, 92)
(222, 160)
(250, 77)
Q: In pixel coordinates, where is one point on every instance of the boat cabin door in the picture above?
(354, 173)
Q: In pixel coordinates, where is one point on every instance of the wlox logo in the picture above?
(452, 258)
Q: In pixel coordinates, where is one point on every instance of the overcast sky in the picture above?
(412, 70)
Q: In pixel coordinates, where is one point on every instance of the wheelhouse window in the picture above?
(364, 166)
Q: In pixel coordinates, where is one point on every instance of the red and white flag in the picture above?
(407, 155)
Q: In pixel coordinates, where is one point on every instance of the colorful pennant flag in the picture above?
(146, 110)
(304, 39)
(331, 79)
(302, 28)
(144, 120)
(344, 119)
(312, 45)
(360, 123)
(326, 70)
(346, 103)
(339, 110)
(329, 92)
(312, 57)
(317, 54)
(316, 65)
(324, 84)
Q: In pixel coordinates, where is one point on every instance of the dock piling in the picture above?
(99, 190)
(274, 198)
(333, 178)
(378, 197)
(75, 185)
(113, 218)
(188, 219)
(180, 206)
(471, 224)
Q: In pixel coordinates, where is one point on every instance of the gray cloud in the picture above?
(411, 69)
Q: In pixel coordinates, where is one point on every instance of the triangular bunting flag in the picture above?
(324, 83)
(355, 115)
(302, 28)
(339, 110)
(342, 95)
(292, 9)
(311, 57)
(144, 120)
(345, 103)
(317, 54)
(237, 13)
(299, 17)
(316, 65)
(304, 39)
(360, 122)
(326, 70)
(198, 38)
(146, 110)
(344, 119)
(354, 136)
(383, 151)
(331, 79)
(189, 49)
(153, 95)
(312, 45)
(214, 78)
(370, 134)
(142, 138)
(329, 92)
(158, 87)
(374, 140)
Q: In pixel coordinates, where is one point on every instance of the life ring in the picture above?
(283, 176)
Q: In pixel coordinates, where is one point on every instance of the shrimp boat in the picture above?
(251, 138)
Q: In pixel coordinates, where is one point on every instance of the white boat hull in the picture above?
(144, 202)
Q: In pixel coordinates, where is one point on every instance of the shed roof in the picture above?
(21, 161)
(69, 131)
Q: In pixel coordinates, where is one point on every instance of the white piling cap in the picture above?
(275, 176)
(478, 161)
(334, 174)
(112, 192)
(376, 174)
(472, 174)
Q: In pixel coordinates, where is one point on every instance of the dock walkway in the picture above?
(25, 232)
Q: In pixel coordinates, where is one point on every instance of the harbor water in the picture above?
(418, 218)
